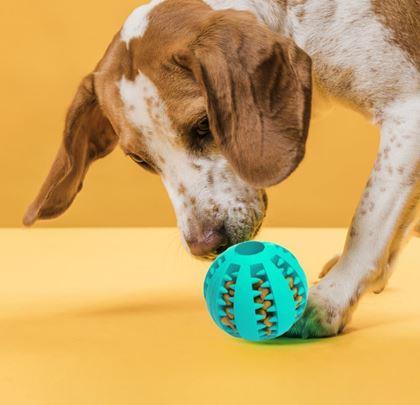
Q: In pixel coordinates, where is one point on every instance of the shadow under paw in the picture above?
(316, 322)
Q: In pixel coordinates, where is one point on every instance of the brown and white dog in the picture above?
(215, 97)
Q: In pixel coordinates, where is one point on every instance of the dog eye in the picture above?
(136, 158)
(141, 162)
(202, 128)
(200, 137)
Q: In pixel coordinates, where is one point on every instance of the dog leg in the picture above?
(403, 235)
(380, 226)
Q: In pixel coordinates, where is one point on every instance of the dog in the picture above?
(215, 97)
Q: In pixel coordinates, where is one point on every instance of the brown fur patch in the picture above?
(341, 83)
(300, 14)
(402, 18)
(88, 136)
(181, 189)
(210, 178)
(294, 2)
(331, 10)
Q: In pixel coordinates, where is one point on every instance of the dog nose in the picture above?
(209, 243)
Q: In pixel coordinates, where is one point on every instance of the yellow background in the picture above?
(47, 46)
(86, 325)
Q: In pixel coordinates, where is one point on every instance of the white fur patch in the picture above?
(346, 35)
(268, 12)
(144, 107)
(136, 24)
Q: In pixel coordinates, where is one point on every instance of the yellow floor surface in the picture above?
(116, 316)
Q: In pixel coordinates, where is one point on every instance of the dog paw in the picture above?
(378, 285)
(323, 317)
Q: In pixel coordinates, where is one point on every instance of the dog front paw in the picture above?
(323, 317)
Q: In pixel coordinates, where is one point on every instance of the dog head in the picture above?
(212, 101)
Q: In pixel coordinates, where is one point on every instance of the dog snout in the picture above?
(209, 243)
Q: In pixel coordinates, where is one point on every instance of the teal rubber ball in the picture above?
(256, 290)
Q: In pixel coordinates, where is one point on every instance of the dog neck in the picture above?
(272, 13)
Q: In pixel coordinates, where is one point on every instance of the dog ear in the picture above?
(88, 136)
(257, 85)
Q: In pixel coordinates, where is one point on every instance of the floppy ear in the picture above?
(258, 90)
(88, 136)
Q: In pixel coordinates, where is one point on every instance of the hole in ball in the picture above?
(249, 248)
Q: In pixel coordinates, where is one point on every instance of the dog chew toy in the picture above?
(256, 290)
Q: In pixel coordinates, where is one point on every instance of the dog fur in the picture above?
(248, 68)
